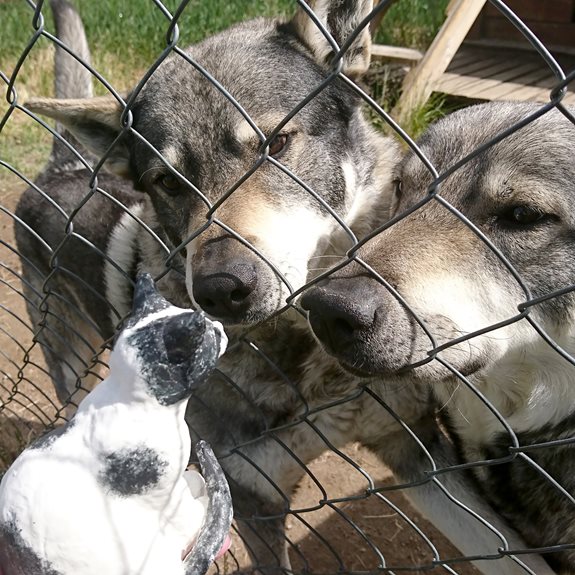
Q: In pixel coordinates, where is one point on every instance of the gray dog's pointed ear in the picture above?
(340, 18)
(94, 122)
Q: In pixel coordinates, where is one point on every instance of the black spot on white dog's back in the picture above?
(132, 471)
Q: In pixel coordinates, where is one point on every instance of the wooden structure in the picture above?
(496, 61)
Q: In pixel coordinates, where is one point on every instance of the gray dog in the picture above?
(436, 270)
(278, 400)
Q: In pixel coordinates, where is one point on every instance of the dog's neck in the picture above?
(532, 390)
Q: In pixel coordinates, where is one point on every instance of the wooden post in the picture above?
(420, 80)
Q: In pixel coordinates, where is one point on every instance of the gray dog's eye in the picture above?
(170, 184)
(278, 144)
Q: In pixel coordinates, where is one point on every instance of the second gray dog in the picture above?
(439, 278)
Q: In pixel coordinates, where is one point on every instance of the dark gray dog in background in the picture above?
(520, 194)
(276, 387)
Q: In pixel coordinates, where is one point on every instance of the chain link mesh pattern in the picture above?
(329, 529)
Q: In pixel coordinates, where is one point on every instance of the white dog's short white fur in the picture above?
(109, 492)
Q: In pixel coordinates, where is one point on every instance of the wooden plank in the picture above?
(455, 84)
(521, 46)
(533, 94)
(395, 53)
(420, 80)
(451, 6)
(521, 87)
(463, 57)
(549, 82)
(531, 78)
(513, 72)
(471, 66)
(519, 92)
(484, 68)
(458, 82)
(503, 90)
(463, 86)
(483, 89)
(499, 89)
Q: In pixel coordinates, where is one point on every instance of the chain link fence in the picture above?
(441, 282)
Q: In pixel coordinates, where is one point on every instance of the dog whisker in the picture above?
(450, 398)
(149, 170)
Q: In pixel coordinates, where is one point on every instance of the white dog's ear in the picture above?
(340, 18)
(94, 122)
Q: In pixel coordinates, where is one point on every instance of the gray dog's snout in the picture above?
(226, 295)
(338, 319)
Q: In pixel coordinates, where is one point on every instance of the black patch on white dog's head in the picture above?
(176, 349)
(16, 557)
(177, 354)
(132, 471)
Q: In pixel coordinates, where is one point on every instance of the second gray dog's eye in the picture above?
(527, 214)
(170, 184)
(522, 215)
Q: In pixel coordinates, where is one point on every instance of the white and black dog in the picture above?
(277, 400)
(120, 464)
(431, 281)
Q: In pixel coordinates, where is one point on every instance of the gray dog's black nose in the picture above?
(228, 294)
(338, 319)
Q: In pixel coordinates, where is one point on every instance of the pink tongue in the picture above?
(225, 546)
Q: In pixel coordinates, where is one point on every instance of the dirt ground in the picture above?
(28, 405)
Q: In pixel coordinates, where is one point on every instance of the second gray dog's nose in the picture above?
(228, 294)
(337, 319)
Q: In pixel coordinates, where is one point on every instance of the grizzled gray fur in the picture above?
(199, 146)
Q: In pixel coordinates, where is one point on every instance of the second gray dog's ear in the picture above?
(340, 18)
(94, 122)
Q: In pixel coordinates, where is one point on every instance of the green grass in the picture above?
(412, 23)
(137, 28)
(126, 36)
(134, 29)
(132, 33)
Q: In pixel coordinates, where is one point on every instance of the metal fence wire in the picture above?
(451, 311)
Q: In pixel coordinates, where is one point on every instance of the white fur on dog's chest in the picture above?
(530, 392)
